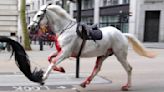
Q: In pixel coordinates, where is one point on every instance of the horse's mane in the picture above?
(60, 11)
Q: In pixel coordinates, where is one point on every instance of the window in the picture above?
(125, 1)
(115, 2)
(32, 6)
(38, 4)
(43, 2)
(87, 4)
(116, 21)
(105, 3)
(109, 21)
(87, 20)
(49, 1)
(110, 2)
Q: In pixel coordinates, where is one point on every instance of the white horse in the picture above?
(68, 42)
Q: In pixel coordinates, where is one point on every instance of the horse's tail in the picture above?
(138, 47)
(22, 60)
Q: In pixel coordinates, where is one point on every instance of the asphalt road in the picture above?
(147, 76)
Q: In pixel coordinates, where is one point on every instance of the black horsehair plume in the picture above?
(22, 60)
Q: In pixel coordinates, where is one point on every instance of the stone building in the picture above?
(8, 17)
(143, 18)
(147, 20)
(105, 13)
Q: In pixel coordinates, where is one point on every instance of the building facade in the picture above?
(143, 18)
(147, 20)
(8, 17)
(105, 13)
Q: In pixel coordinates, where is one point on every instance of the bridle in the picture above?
(36, 26)
(41, 17)
(70, 24)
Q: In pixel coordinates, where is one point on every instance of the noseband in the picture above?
(41, 17)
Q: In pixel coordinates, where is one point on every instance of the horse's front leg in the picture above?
(96, 69)
(63, 53)
(56, 60)
(50, 57)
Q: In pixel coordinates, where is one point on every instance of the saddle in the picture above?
(89, 32)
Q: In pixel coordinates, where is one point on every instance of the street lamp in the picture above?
(78, 18)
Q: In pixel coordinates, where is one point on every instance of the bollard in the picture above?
(41, 44)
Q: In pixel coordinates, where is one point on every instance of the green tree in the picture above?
(26, 41)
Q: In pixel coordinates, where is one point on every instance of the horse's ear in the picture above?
(49, 4)
(45, 7)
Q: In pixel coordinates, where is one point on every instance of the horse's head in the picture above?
(53, 16)
(38, 19)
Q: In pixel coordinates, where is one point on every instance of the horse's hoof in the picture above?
(83, 85)
(59, 69)
(62, 70)
(125, 88)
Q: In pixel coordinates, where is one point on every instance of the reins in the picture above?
(67, 27)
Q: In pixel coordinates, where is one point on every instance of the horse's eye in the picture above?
(38, 15)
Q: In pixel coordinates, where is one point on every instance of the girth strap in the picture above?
(83, 41)
(79, 53)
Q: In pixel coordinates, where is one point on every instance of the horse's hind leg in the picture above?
(97, 68)
(53, 55)
(122, 57)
